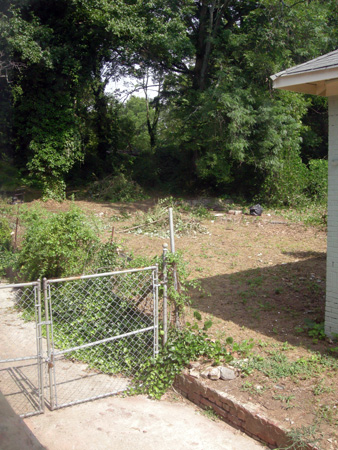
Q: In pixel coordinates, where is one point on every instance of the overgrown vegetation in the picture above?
(155, 376)
(118, 188)
(55, 245)
(155, 221)
(213, 122)
(89, 319)
(6, 250)
(88, 310)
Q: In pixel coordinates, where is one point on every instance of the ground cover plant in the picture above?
(263, 284)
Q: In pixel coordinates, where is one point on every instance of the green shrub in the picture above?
(318, 180)
(5, 234)
(56, 245)
(7, 257)
(297, 185)
(155, 376)
(287, 185)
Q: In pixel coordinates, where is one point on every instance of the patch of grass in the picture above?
(328, 414)
(301, 437)
(285, 399)
(312, 215)
(320, 388)
(313, 329)
(257, 281)
(210, 413)
(266, 306)
(278, 366)
(252, 389)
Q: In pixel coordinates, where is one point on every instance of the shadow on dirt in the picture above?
(276, 301)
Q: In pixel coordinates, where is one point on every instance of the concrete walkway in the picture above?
(135, 423)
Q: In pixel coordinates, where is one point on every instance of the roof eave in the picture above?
(317, 82)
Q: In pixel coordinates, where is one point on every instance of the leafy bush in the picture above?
(56, 245)
(6, 255)
(318, 180)
(155, 376)
(5, 234)
(295, 184)
(286, 186)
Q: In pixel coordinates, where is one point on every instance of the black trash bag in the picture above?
(256, 210)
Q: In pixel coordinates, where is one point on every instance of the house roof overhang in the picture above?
(317, 77)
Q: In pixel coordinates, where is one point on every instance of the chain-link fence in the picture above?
(21, 377)
(84, 341)
(102, 327)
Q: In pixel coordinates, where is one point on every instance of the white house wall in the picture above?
(331, 310)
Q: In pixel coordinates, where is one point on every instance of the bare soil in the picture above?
(262, 277)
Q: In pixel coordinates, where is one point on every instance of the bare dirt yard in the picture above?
(263, 284)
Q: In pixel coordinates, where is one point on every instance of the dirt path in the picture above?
(110, 423)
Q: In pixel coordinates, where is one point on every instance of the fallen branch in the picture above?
(138, 226)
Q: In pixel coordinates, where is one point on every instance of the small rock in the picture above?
(194, 365)
(194, 373)
(235, 212)
(214, 373)
(227, 374)
(278, 386)
(205, 373)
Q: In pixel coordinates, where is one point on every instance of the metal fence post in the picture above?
(165, 295)
(49, 350)
(156, 311)
(39, 345)
(171, 229)
(172, 248)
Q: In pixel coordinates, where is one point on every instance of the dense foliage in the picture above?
(215, 122)
(156, 375)
(56, 245)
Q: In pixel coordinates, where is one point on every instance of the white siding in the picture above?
(331, 310)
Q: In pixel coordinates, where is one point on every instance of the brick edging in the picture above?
(245, 417)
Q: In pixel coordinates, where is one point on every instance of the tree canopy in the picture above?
(215, 122)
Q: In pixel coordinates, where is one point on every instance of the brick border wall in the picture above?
(243, 417)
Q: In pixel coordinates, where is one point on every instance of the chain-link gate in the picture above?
(101, 328)
(21, 375)
(84, 342)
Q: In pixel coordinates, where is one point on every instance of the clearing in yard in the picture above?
(263, 284)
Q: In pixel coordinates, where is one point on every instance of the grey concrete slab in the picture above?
(135, 423)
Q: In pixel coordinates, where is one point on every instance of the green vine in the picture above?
(156, 375)
(178, 284)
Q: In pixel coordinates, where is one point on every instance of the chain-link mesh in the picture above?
(103, 327)
(21, 353)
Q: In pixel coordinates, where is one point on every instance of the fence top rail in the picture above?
(97, 275)
(19, 285)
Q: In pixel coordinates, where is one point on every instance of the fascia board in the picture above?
(285, 80)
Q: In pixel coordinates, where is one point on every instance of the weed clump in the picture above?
(118, 188)
(156, 375)
(187, 220)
